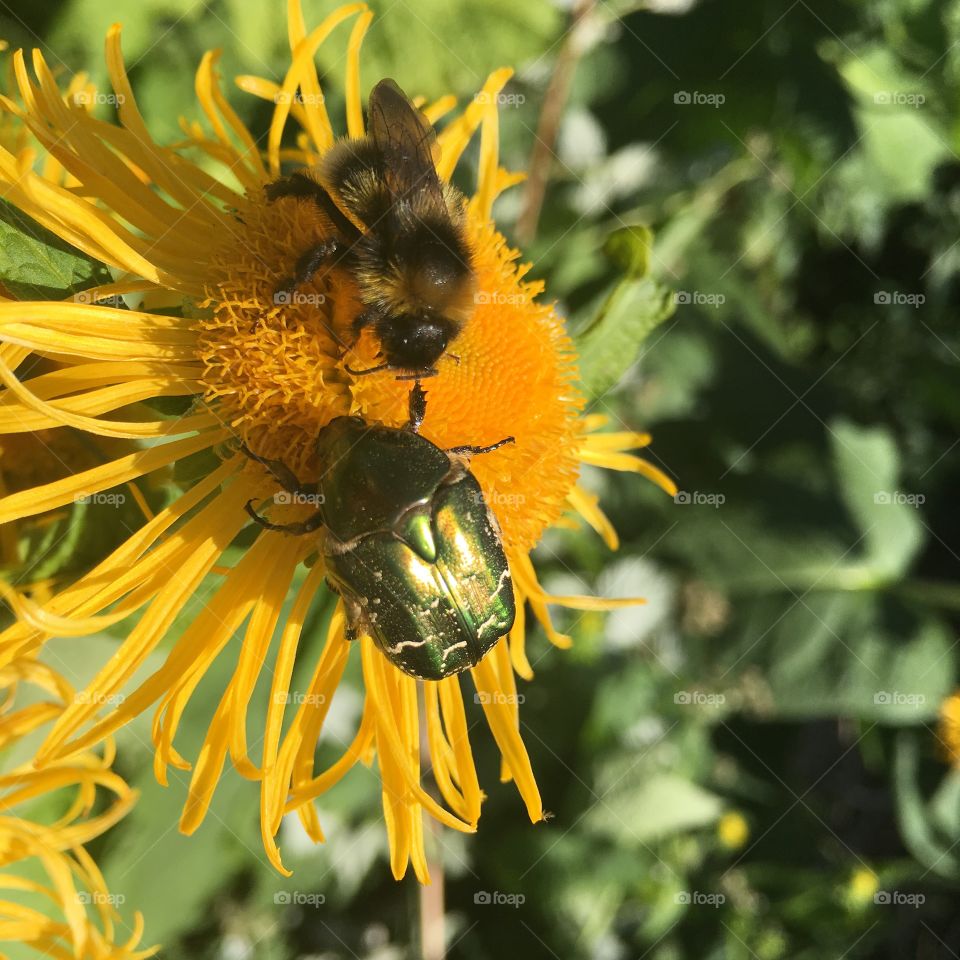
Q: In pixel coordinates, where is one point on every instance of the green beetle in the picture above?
(408, 541)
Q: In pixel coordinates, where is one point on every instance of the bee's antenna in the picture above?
(453, 357)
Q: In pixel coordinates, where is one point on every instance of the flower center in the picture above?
(273, 360)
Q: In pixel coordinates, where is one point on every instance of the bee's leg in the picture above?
(307, 265)
(474, 451)
(298, 529)
(300, 185)
(282, 474)
(364, 318)
(417, 406)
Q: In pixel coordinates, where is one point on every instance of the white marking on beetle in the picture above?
(449, 650)
(397, 647)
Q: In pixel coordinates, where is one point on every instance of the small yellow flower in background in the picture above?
(864, 883)
(948, 728)
(733, 830)
(203, 255)
(70, 913)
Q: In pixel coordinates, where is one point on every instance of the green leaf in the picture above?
(868, 468)
(639, 807)
(36, 265)
(630, 248)
(824, 654)
(921, 833)
(633, 309)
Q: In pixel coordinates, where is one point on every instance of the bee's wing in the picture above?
(407, 141)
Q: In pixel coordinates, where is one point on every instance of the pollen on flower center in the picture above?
(273, 361)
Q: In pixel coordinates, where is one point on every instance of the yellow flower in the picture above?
(204, 254)
(948, 729)
(733, 830)
(862, 886)
(71, 912)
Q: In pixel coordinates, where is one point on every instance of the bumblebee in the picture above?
(397, 229)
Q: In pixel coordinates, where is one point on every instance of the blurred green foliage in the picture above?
(797, 164)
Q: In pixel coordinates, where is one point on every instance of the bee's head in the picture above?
(414, 341)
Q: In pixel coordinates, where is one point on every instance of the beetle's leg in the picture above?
(474, 451)
(354, 616)
(300, 185)
(282, 474)
(298, 529)
(417, 407)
